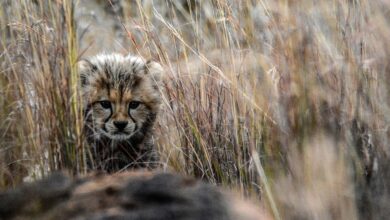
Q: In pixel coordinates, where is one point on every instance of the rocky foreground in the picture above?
(131, 195)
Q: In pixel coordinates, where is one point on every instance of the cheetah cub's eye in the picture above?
(105, 104)
(134, 104)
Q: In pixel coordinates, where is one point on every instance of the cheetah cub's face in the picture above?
(120, 94)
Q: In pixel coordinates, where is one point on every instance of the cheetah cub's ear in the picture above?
(85, 69)
(142, 68)
(154, 69)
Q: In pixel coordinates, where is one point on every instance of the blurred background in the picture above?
(285, 102)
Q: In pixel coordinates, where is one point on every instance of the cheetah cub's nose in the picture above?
(120, 125)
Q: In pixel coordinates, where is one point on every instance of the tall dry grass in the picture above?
(285, 101)
(41, 112)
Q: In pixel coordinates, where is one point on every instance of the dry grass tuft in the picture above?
(43, 130)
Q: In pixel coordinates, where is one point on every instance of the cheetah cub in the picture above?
(121, 100)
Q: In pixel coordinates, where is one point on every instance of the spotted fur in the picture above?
(121, 101)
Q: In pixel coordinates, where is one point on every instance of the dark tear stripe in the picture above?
(107, 119)
(135, 122)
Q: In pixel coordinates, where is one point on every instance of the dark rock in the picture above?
(131, 195)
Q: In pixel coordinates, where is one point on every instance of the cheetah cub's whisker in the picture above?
(121, 101)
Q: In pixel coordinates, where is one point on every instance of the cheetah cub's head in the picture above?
(121, 95)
